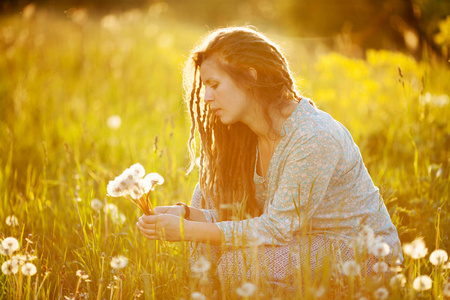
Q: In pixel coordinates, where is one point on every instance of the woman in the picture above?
(273, 168)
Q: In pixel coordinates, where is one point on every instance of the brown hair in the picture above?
(228, 152)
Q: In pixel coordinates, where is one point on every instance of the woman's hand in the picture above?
(175, 210)
(165, 227)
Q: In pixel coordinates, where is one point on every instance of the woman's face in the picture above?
(227, 100)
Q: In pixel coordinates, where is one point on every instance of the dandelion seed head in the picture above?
(29, 269)
(380, 293)
(380, 267)
(247, 289)
(113, 211)
(96, 204)
(82, 274)
(144, 185)
(125, 181)
(129, 177)
(365, 239)
(119, 262)
(351, 268)
(446, 290)
(114, 189)
(21, 258)
(30, 257)
(438, 257)
(114, 122)
(396, 269)
(366, 233)
(136, 193)
(6, 252)
(380, 249)
(10, 267)
(416, 249)
(138, 170)
(422, 283)
(118, 218)
(197, 296)
(202, 265)
(155, 178)
(12, 221)
(10, 243)
(111, 208)
(319, 292)
(398, 280)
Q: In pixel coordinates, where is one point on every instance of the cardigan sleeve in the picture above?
(211, 215)
(304, 179)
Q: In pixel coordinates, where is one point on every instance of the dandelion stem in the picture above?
(150, 207)
(78, 286)
(28, 286)
(42, 282)
(437, 227)
(19, 285)
(120, 289)
(100, 286)
(118, 295)
(36, 286)
(112, 292)
(352, 288)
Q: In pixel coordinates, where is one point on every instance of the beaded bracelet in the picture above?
(187, 210)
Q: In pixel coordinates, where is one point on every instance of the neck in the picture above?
(267, 132)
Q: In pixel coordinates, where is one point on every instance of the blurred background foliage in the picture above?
(66, 67)
(349, 26)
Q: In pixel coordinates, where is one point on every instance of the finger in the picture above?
(152, 234)
(161, 209)
(147, 225)
(148, 219)
(146, 231)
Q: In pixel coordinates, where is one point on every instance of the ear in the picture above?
(253, 73)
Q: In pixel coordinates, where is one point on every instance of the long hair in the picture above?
(228, 152)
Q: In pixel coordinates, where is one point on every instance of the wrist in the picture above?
(188, 231)
(187, 211)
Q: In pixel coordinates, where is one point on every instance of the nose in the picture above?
(209, 97)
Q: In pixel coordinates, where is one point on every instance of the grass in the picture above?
(63, 76)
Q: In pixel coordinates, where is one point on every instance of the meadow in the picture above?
(83, 97)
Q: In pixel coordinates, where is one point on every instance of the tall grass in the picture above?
(63, 76)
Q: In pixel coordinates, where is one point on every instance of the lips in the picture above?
(215, 110)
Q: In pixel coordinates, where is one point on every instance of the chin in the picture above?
(226, 121)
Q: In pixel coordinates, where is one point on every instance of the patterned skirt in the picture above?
(288, 268)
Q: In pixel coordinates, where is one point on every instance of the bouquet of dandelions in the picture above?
(132, 185)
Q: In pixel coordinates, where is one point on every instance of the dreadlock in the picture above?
(228, 152)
